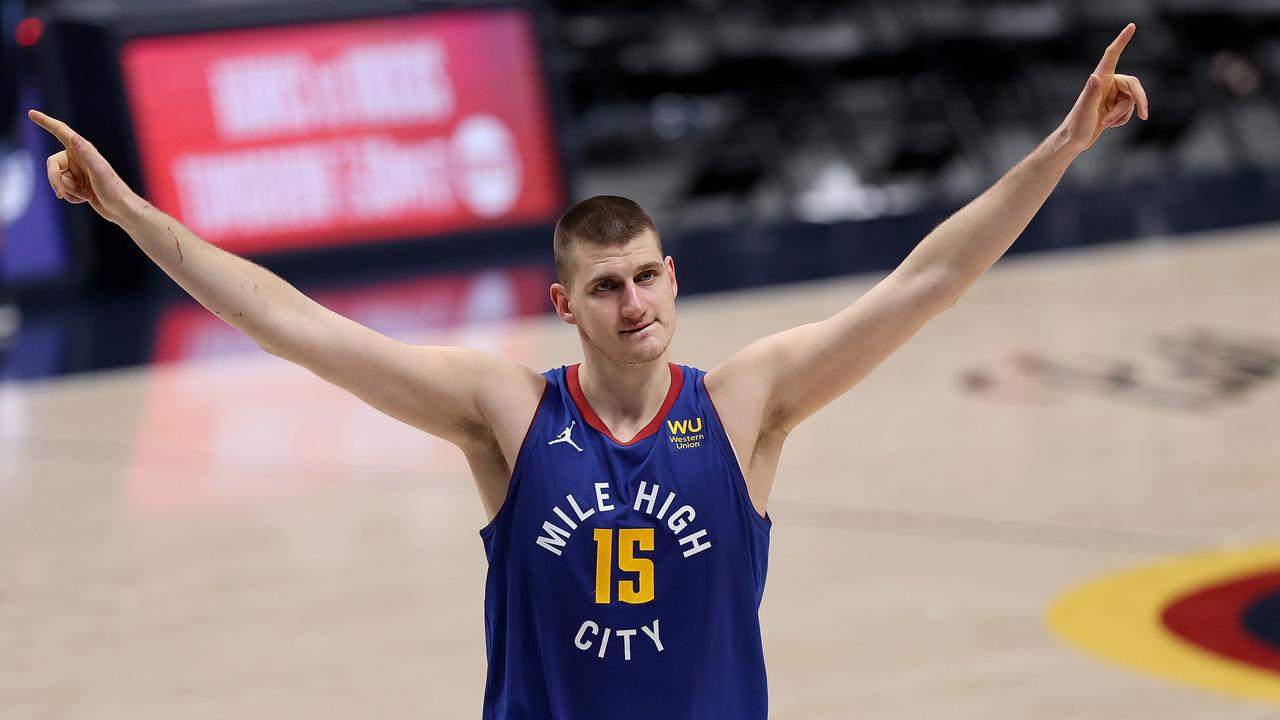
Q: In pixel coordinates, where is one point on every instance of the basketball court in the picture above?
(234, 538)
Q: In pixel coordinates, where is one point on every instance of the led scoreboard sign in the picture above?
(289, 137)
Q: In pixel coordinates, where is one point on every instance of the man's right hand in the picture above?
(80, 174)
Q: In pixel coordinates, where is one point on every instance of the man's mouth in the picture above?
(636, 330)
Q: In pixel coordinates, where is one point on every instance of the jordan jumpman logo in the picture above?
(566, 437)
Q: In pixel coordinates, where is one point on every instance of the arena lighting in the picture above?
(28, 32)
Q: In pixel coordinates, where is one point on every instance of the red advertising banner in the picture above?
(337, 133)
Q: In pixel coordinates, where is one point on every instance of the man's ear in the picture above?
(671, 270)
(560, 301)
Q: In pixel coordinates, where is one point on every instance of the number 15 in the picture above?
(635, 591)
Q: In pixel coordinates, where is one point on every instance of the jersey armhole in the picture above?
(726, 449)
(517, 469)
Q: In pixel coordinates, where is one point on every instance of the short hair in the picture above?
(600, 221)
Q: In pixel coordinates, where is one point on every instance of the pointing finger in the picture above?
(1110, 58)
(84, 160)
(56, 127)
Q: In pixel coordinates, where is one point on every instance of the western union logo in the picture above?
(686, 433)
(684, 427)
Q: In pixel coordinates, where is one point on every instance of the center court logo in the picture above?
(1211, 619)
(685, 433)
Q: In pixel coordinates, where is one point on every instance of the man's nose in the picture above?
(632, 303)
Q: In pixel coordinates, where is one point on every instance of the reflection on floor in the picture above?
(137, 331)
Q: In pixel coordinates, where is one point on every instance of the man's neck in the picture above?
(626, 397)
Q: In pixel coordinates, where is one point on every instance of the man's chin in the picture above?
(641, 355)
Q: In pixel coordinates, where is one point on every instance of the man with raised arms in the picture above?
(626, 494)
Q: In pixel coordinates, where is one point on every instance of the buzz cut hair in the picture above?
(600, 221)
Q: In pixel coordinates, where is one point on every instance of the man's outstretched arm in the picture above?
(456, 393)
(790, 375)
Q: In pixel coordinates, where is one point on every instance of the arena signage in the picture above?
(280, 138)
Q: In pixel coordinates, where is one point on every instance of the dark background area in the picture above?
(771, 141)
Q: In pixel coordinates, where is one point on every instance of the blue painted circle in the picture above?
(1261, 619)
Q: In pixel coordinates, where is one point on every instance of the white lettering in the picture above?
(676, 524)
(572, 525)
(259, 96)
(304, 186)
(653, 635)
(695, 546)
(663, 512)
(553, 540)
(602, 497)
(577, 640)
(589, 632)
(642, 497)
(626, 642)
(581, 515)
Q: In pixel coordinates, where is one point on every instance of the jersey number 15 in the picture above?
(635, 591)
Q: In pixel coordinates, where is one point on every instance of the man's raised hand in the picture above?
(79, 173)
(1108, 99)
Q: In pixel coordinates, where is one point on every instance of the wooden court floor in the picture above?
(236, 539)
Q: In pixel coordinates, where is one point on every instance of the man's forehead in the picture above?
(639, 251)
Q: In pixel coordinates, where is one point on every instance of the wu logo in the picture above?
(684, 427)
(566, 436)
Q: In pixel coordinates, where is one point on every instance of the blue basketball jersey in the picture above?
(625, 579)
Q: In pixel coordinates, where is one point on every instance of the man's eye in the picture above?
(603, 286)
(648, 273)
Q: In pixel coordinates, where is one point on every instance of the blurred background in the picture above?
(771, 141)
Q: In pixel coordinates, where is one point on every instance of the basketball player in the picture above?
(627, 495)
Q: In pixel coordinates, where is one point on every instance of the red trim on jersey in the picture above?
(575, 391)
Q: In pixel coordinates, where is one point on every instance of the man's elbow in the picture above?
(949, 300)
(939, 289)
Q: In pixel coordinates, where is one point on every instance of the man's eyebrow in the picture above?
(651, 265)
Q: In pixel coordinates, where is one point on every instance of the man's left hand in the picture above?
(1108, 99)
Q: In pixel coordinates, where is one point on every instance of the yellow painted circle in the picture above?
(1118, 618)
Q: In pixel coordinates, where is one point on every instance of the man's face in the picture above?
(623, 299)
